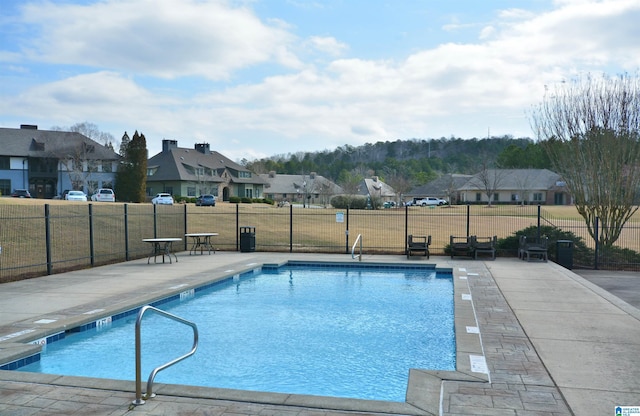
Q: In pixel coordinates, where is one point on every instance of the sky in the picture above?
(261, 78)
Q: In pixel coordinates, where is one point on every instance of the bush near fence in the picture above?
(39, 238)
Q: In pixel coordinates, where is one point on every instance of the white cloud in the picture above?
(329, 45)
(457, 89)
(165, 38)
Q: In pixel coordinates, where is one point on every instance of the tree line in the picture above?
(417, 161)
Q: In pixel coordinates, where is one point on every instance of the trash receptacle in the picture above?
(564, 253)
(247, 239)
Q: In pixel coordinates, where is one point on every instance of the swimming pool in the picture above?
(363, 326)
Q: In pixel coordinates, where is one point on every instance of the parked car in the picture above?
(430, 201)
(104, 195)
(162, 199)
(206, 201)
(21, 193)
(76, 196)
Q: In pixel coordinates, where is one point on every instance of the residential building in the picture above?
(446, 187)
(309, 189)
(49, 162)
(192, 172)
(516, 186)
(374, 189)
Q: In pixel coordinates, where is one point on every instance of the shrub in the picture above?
(581, 253)
(342, 202)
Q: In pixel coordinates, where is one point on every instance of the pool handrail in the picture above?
(353, 249)
(149, 394)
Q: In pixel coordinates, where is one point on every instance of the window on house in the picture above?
(191, 191)
(168, 189)
(92, 166)
(106, 166)
(478, 197)
(496, 197)
(5, 163)
(5, 187)
(151, 171)
(537, 196)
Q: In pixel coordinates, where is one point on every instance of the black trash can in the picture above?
(564, 253)
(247, 239)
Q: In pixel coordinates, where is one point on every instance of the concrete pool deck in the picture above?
(553, 342)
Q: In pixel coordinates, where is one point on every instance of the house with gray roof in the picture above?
(516, 186)
(311, 189)
(192, 172)
(376, 190)
(446, 187)
(47, 162)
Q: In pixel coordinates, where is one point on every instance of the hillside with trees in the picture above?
(415, 160)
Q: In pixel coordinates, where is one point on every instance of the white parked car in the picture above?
(104, 195)
(430, 201)
(162, 199)
(76, 196)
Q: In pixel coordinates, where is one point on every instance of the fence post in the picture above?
(468, 218)
(597, 238)
(185, 226)
(91, 247)
(155, 221)
(346, 234)
(47, 236)
(126, 232)
(539, 210)
(237, 227)
(406, 228)
(290, 228)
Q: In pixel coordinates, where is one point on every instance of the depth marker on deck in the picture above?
(478, 364)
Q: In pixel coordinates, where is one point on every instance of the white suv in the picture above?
(104, 195)
(162, 199)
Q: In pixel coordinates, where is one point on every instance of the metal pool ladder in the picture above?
(139, 399)
(353, 249)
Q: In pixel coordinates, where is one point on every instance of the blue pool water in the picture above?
(351, 332)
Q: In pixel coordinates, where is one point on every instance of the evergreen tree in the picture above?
(131, 177)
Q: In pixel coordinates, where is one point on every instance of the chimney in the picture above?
(203, 148)
(167, 145)
(28, 127)
(272, 174)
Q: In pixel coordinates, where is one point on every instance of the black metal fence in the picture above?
(36, 240)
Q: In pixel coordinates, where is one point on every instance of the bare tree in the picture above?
(524, 183)
(590, 127)
(400, 183)
(91, 131)
(489, 180)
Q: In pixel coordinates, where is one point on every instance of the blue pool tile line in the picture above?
(14, 365)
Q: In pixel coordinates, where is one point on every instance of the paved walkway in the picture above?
(554, 343)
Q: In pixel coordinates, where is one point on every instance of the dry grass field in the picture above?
(23, 238)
